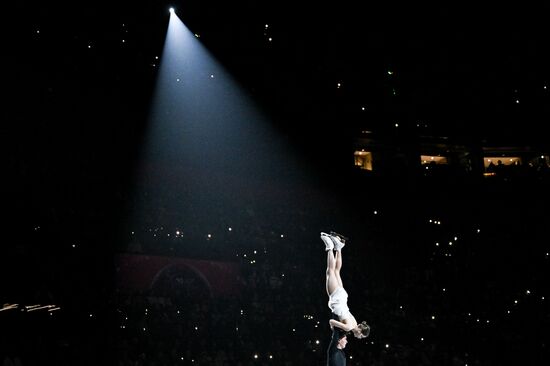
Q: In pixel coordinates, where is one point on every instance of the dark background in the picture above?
(74, 121)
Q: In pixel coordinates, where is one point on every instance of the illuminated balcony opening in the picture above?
(433, 160)
(504, 160)
(500, 165)
(363, 160)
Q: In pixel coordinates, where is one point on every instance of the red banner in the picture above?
(144, 272)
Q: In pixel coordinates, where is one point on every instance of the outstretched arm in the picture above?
(343, 326)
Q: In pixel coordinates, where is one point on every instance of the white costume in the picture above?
(338, 303)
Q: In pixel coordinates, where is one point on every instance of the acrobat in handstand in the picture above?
(337, 295)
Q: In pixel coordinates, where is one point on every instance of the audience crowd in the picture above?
(440, 283)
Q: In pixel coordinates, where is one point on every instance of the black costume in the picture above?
(336, 356)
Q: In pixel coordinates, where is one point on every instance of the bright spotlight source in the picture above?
(171, 10)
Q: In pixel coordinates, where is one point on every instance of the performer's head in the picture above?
(362, 330)
(342, 341)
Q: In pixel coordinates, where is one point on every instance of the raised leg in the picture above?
(337, 267)
(332, 279)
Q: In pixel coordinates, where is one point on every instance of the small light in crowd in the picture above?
(255, 356)
(387, 345)
(508, 311)
(443, 290)
(433, 317)
(339, 85)
(211, 76)
(456, 238)
(282, 236)
(376, 212)
(487, 321)
(436, 244)
(397, 125)
(209, 236)
(478, 230)
(144, 329)
(422, 339)
(74, 245)
(229, 229)
(181, 358)
(196, 328)
(197, 35)
(267, 26)
(515, 301)
(293, 329)
(91, 315)
(177, 232)
(528, 292)
(270, 357)
(362, 108)
(317, 341)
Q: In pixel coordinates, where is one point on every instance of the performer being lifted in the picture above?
(337, 296)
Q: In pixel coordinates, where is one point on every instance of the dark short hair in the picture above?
(365, 329)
